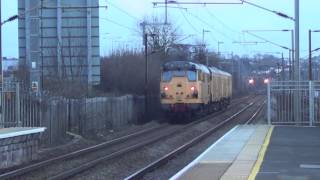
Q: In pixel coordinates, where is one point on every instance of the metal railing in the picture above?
(19, 107)
(293, 102)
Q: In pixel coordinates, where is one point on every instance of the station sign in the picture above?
(35, 86)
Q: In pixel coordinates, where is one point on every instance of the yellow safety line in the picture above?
(262, 153)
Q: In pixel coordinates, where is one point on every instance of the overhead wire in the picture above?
(123, 11)
(121, 25)
(208, 24)
(241, 35)
(190, 24)
(220, 21)
(259, 37)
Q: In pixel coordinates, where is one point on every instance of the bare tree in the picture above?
(23, 73)
(65, 78)
(73, 59)
(200, 52)
(181, 51)
(160, 36)
(214, 59)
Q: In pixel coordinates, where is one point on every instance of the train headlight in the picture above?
(266, 81)
(166, 88)
(194, 92)
(251, 81)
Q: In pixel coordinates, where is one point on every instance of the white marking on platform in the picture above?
(266, 172)
(310, 166)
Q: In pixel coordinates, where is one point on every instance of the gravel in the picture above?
(126, 165)
(77, 142)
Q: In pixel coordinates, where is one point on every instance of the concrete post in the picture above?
(269, 105)
(311, 103)
(18, 105)
(297, 78)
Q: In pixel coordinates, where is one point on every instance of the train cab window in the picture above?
(200, 76)
(206, 77)
(166, 76)
(192, 75)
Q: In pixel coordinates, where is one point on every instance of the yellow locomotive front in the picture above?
(181, 87)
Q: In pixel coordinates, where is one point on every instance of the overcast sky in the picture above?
(119, 24)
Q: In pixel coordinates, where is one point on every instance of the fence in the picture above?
(20, 108)
(90, 114)
(23, 108)
(293, 102)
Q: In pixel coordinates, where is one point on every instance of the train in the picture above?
(258, 84)
(190, 88)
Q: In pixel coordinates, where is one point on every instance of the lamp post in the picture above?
(1, 62)
(310, 71)
(203, 32)
(310, 52)
(203, 45)
(12, 18)
(219, 42)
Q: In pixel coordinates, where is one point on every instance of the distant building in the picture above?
(10, 63)
(60, 39)
(10, 68)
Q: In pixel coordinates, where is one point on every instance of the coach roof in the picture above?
(185, 65)
(218, 71)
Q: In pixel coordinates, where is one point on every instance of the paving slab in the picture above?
(205, 171)
(242, 166)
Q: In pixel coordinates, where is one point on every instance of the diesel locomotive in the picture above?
(188, 87)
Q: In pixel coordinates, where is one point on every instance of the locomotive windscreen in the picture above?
(179, 66)
(167, 75)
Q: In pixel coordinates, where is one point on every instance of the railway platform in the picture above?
(259, 152)
(18, 145)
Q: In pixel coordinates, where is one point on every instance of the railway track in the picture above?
(158, 134)
(173, 154)
(256, 113)
(75, 154)
(90, 164)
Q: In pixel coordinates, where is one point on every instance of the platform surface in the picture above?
(231, 156)
(293, 154)
(259, 152)
(19, 131)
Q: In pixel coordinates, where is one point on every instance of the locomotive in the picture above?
(188, 87)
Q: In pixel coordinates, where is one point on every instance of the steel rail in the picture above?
(254, 116)
(140, 173)
(35, 166)
(90, 164)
